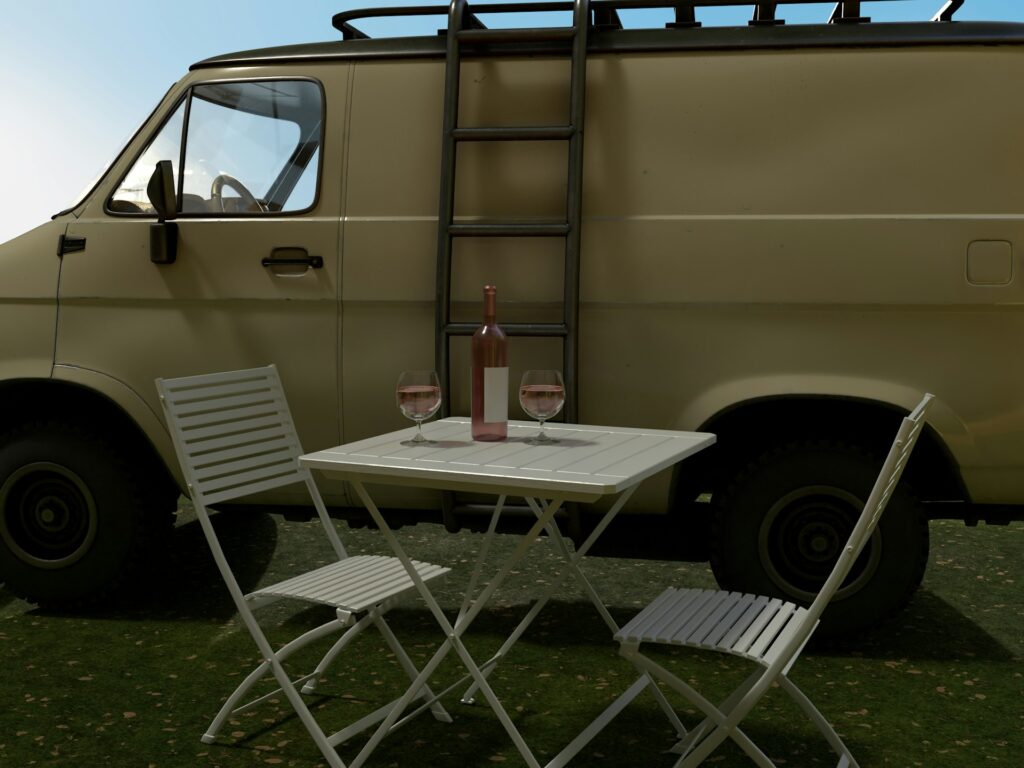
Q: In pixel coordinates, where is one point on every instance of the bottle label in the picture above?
(495, 395)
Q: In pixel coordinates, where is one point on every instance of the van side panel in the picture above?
(842, 222)
(809, 216)
(28, 302)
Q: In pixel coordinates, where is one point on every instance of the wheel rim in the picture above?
(48, 515)
(802, 535)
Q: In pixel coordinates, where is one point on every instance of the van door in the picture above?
(256, 271)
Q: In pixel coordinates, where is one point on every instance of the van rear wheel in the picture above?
(780, 525)
(74, 526)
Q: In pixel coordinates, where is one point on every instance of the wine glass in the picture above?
(542, 395)
(418, 394)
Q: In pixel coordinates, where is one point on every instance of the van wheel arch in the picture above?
(748, 429)
(750, 433)
(80, 483)
(782, 523)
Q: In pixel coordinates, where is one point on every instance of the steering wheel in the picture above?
(248, 198)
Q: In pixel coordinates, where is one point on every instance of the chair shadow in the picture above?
(911, 634)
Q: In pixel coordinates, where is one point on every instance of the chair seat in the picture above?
(353, 584)
(751, 626)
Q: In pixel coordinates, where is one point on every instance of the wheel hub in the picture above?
(801, 538)
(48, 515)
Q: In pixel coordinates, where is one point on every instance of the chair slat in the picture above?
(272, 461)
(232, 378)
(226, 404)
(227, 420)
(749, 637)
(755, 607)
(771, 631)
(654, 613)
(679, 614)
(195, 436)
(278, 468)
(737, 610)
(253, 448)
(722, 606)
(247, 489)
(202, 447)
(182, 396)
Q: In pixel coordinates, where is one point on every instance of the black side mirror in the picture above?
(163, 236)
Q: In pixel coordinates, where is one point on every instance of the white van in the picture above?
(782, 234)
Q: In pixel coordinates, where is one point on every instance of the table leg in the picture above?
(573, 561)
(452, 633)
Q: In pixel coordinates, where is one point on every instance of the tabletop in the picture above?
(586, 463)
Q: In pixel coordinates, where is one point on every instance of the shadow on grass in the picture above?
(182, 583)
(6, 598)
(929, 628)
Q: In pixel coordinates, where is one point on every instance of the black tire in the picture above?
(779, 527)
(76, 520)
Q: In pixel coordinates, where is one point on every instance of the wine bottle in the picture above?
(489, 390)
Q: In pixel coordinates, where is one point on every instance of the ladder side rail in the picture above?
(574, 209)
(446, 203)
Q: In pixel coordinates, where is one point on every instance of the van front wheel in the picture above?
(779, 527)
(73, 523)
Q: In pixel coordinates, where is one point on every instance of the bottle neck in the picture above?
(490, 305)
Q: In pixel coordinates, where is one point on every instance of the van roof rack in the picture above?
(605, 14)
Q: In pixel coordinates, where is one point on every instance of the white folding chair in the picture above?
(234, 436)
(767, 631)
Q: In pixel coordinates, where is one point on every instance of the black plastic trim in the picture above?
(70, 244)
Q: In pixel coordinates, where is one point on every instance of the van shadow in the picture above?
(928, 629)
(182, 581)
(188, 583)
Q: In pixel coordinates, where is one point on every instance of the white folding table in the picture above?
(586, 464)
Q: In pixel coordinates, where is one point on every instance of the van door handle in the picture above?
(292, 257)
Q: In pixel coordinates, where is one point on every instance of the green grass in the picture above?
(942, 685)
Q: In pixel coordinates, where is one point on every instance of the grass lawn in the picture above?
(942, 685)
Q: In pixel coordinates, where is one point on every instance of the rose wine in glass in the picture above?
(418, 394)
(542, 395)
(489, 381)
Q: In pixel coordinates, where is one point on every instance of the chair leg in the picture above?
(299, 705)
(436, 708)
(696, 733)
(820, 722)
(332, 653)
(231, 705)
(715, 717)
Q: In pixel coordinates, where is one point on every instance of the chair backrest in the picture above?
(234, 436)
(233, 433)
(888, 478)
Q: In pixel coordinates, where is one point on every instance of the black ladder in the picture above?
(466, 29)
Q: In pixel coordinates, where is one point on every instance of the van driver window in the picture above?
(251, 149)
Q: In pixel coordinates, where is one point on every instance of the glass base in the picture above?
(541, 439)
(418, 441)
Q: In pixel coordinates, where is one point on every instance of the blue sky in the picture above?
(78, 77)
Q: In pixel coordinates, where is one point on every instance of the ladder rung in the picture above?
(527, 35)
(514, 133)
(509, 229)
(511, 329)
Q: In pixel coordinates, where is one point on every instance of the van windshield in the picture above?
(250, 148)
